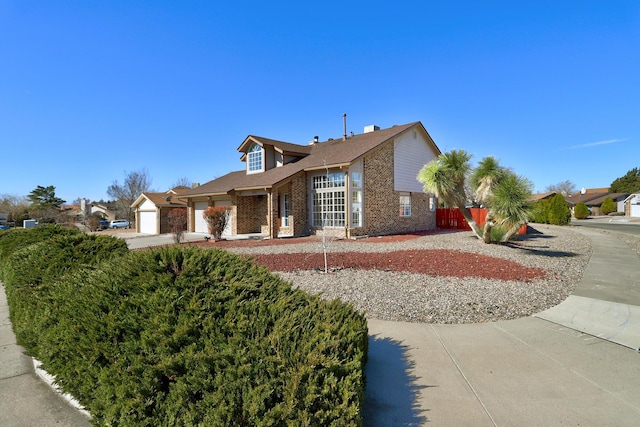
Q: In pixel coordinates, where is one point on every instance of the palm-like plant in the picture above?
(511, 203)
(445, 177)
(484, 180)
(505, 194)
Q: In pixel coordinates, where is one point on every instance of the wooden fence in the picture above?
(453, 219)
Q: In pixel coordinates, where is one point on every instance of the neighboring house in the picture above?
(593, 198)
(542, 196)
(102, 210)
(152, 210)
(353, 186)
(632, 205)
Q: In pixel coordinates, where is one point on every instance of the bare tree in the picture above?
(15, 207)
(178, 222)
(135, 183)
(565, 188)
(182, 182)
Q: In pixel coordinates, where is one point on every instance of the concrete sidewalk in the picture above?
(25, 400)
(528, 371)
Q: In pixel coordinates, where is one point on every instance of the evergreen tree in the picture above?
(629, 183)
(608, 206)
(45, 197)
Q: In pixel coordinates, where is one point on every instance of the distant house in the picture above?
(593, 198)
(152, 210)
(542, 196)
(364, 184)
(632, 205)
(104, 211)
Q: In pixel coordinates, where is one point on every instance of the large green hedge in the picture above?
(188, 336)
(31, 274)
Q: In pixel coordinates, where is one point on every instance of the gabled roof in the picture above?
(167, 199)
(542, 196)
(329, 154)
(598, 200)
(578, 197)
(593, 196)
(281, 146)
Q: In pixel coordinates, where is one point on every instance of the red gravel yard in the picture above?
(434, 262)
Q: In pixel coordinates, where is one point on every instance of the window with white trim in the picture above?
(254, 159)
(432, 203)
(405, 204)
(285, 209)
(356, 199)
(329, 201)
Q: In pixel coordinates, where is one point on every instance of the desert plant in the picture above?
(217, 218)
(178, 222)
(581, 211)
(608, 206)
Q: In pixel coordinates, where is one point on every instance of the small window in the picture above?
(432, 203)
(405, 205)
(356, 180)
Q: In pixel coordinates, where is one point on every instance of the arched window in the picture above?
(254, 159)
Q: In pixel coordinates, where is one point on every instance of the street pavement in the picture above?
(529, 371)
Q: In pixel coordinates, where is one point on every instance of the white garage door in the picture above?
(200, 223)
(229, 227)
(148, 223)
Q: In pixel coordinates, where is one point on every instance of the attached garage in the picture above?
(148, 222)
(199, 222)
(152, 210)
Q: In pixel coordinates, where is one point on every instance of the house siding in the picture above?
(381, 200)
(411, 151)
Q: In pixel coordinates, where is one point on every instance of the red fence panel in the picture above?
(453, 219)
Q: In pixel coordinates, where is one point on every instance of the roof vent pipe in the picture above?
(344, 122)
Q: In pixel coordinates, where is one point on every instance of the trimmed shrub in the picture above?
(581, 211)
(217, 218)
(189, 336)
(559, 212)
(608, 206)
(31, 273)
(18, 238)
(540, 212)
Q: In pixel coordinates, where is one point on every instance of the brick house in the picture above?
(360, 185)
(152, 210)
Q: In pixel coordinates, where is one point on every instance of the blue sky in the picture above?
(90, 90)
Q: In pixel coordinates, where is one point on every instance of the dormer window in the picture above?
(255, 159)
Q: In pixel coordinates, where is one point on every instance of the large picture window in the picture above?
(254, 158)
(329, 201)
